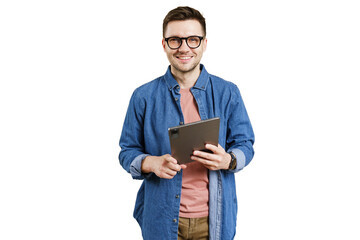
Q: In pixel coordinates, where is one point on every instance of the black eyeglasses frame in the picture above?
(186, 40)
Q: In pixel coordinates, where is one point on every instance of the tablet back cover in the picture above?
(184, 139)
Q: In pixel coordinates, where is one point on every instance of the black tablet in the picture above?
(184, 139)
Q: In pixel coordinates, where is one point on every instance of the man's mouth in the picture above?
(184, 58)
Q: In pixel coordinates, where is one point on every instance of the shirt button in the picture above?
(181, 123)
(177, 87)
(177, 196)
(174, 220)
(176, 99)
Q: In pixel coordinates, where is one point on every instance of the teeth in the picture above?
(184, 58)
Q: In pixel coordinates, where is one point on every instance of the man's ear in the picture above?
(163, 43)
(204, 44)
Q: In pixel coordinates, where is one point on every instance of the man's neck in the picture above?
(186, 79)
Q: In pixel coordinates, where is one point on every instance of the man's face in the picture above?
(184, 59)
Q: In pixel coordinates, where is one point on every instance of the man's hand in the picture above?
(219, 159)
(164, 166)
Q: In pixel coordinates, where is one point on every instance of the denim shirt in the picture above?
(154, 107)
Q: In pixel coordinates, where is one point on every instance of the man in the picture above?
(196, 200)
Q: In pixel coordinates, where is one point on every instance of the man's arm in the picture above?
(217, 160)
(132, 143)
(240, 135)
(163, 166)
(239, 140)
(132, 155)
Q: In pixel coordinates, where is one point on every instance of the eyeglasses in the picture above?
(176, 42)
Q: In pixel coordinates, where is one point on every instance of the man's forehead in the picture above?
(184, 28)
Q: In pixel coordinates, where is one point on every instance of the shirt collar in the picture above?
(201, 82)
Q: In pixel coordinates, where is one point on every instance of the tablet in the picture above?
(184, 139)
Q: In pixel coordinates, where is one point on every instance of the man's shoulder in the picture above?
(221, 82)
(148, 87)
(227, 90)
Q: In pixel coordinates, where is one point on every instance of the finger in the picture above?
(171, 172)
(174, 166)
(203, 161)
(212, 148)
(206, 163)
(166, 176)
(183, 166)
(215, 149)
(170, 159)
(203, 154)
(165, 171)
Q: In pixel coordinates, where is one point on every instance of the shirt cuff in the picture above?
(240, 159)
(135, 167)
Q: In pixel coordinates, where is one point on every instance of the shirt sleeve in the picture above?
(240, 159)
(132, 138)
(240, 135)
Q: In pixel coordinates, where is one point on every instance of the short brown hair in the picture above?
(184, 13)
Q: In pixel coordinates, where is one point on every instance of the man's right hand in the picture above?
(164, 166)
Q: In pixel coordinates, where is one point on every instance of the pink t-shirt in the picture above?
(194, 202)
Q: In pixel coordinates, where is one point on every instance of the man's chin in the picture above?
(186, 68)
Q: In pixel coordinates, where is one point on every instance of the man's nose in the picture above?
(184, 47)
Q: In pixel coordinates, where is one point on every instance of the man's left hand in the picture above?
(217, 160)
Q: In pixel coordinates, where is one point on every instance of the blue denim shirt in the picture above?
(153, 108)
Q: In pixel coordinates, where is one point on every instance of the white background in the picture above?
(67, 71)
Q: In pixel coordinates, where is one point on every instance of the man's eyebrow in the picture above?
(184, 37)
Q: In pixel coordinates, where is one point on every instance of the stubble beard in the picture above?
(184, 69)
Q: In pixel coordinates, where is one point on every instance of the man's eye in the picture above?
(193, 40)
(174, 40)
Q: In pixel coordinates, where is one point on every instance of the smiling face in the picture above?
(184, 60)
